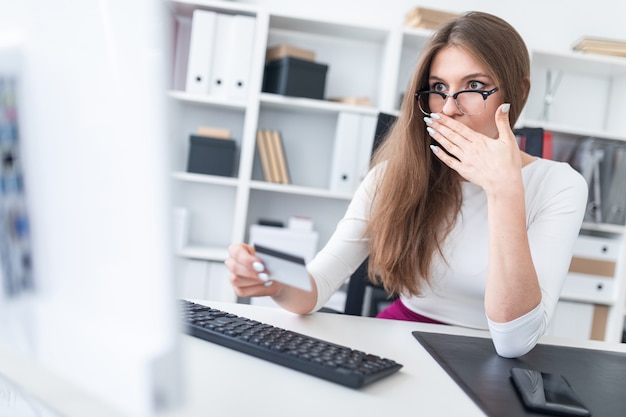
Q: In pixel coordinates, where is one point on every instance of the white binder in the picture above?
(367, 131)
(200, 51)
(243, 45)
(221, 71)
(343, 174)
(181, 53)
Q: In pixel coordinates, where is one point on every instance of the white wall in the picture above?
(551, 25)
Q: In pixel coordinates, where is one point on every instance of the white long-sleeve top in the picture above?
(556, 197)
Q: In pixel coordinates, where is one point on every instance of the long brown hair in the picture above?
(418, 197)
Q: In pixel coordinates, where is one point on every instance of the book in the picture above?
(273, 156)
(535, 141)
(264, 156)
(427, 18)
(279, 51)
(530, 140)
(547, 152)
(601, 46)
(281, 159)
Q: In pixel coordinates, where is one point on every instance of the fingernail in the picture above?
(428, 120)
(506, 108)
(263, 276)
(435, 116)
(430, 130)
(258, 266)
(268, 283)
(434, 148)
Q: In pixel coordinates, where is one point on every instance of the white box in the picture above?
(293, 242)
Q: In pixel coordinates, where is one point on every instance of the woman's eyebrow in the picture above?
(465, 77)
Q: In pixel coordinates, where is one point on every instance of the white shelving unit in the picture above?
(373, 62)
(578, 96)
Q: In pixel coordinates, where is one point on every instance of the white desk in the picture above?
(221, 382)
(229, 383)
(233, 384)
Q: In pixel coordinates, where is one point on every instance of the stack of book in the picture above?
(600, 46)
(425, 18)
(352, 101)
(272, 155)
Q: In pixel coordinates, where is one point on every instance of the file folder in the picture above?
(201, 44)
(367, 132)
(223, 56)
(343, 171)
(181, 53)
(354, 138)
(615, 206)
(243, 46)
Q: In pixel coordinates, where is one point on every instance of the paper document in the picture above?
(285, 268)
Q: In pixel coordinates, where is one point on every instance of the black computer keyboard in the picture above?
(313, 356)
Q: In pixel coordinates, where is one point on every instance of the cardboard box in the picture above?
(283, 50)
(211, 156)
(295, 77)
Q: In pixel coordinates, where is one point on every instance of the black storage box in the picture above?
(211, 156)
(295, 77)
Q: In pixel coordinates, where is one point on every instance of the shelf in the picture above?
(587, 64)
(186, 8)
(572, 130)
(225, 103)
(205, 179)
(557, 79)
(329, 29)
(364, 61)
(298, 190)
(587, 300)
(204, 253)
(604, 227)
(280, 102)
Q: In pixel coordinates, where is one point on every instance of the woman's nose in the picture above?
(450, 107)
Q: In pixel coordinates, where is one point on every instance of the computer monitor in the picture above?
(85, 255)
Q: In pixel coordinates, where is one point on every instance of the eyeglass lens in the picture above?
(471, 103)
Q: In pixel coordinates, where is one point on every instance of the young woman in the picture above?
(456, 220)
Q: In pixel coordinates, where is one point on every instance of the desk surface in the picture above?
(222, 382)
(242, 385)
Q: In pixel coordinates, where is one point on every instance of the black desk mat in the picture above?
(599, 377)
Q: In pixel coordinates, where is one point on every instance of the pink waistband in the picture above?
(398, 311)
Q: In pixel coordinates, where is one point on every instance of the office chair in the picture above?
(364, 298)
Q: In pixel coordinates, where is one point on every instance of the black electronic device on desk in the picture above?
(584, 381)
(336, 363)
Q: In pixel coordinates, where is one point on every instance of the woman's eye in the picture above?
(439, 87)
(475, 85)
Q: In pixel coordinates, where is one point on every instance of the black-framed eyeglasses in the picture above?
(469, 102)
